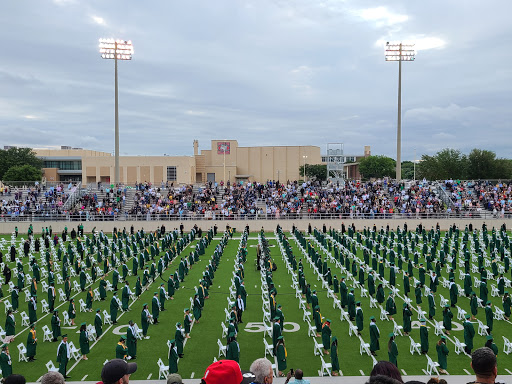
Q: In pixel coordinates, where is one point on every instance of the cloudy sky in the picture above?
(263, 72)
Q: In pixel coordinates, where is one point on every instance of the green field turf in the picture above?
(202, 347)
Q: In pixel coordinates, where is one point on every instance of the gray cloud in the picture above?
(263, 72)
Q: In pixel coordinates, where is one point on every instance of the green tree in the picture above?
(22, 173)
(445, 164)
(482, 164)
(502, 169)
(377, 167)
(16, 157)
(407, 170)
(314, 171)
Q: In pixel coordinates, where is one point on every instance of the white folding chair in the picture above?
(415, 347)
(22, 353)
(50, 367)
(163, 370)
(325, 370)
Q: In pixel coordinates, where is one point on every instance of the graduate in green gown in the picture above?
(489, 317)
(326, 336)
(424, 336)
(469, 334)
(407, 315)
(179, 337)
(232, 348)
(187, 322)
(334, 357)
(281, 355)
(431, 306)
(84, 341)
(55, 325)
(138, 287)
(197, 308)
(490, 344)
(390, 305)
(63, 355)
(131, 340)
(31, 343)
(447, 319)
(145, 318)
(155, 307)
(32, 308)
(10, 324)
(442, 354)
(507, 305)
(114, 307)
(359, 318)
(122, 349)
(173, 357)
(5, 361)
(89, 299)
(392, 350)
(374, 336)
(98, 323)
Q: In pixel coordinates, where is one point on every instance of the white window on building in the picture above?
(171, 173)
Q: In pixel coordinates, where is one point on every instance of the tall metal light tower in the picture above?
(335, 163)
(399, 52)
(117, 50)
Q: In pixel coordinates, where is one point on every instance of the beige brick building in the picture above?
(225, 160)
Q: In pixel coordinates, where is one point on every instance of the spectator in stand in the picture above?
(298, 375)
(52, 378)
(385, 368)
(262, 370)
(483, 362)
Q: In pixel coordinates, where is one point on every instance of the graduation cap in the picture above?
(351, 289)
(314, 291)
(277, 318)
(358, 303)
(488, 302)
(391, 335)
(4, 345)
(279, 306)
(178, 324)
(489, 337)
(328, 321)
(172, 341)
(32, 325)
(405, 305)
(443, 337)
(467, 316)
(186, 309)
(423, 321)
(447, 306)
(280, 338)
(84, 323)
(123, 337)
(317, 306)
(155, 293)
(372, 317)
(65, 335)
(98, 310)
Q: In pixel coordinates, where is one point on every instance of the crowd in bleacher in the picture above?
(34, 200)
(250, 200)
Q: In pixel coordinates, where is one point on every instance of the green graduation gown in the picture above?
(407, 314)
(173, 360)
(5, 364)
(424, 338)
(121, 351)
(374, 337)
(359, 319)
(31, 343)
(469, 334)
(232, 351)
(326, 336)
(334, 358)
(393, 353)
(281, 357)
(179, 338)
(442, 353)
(63, 357)
(131, 342)
(114, 307)
(84, 342)
(98, 325)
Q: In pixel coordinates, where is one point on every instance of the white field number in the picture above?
(261, 327)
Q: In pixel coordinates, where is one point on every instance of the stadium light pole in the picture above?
(117, 50)
(399, 52)
(304, 168)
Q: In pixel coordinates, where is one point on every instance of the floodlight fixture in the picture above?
(116, 49)
(398, 51)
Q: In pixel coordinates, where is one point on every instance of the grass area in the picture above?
(202, 347)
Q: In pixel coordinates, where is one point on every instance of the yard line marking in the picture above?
(149, 376)
(425, 372)
(467, 372)
(38, 380)
(508, 371)
(362, 373)
(403, 371)
(192, 375)
(83, 378)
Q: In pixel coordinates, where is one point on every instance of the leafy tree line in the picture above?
(19, 164)
(445, 164)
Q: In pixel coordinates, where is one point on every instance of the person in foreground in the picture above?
(223, 372)
(262, 370)
(483, 362)
(298, 374)
(117, 371)
(385, 372)
(52, 378)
